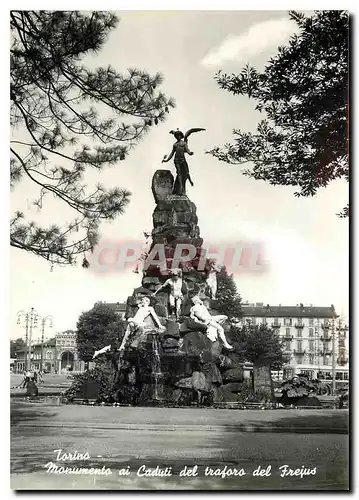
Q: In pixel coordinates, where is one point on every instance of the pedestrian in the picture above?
(41, 376)
(35, 376)
(31, 389)
(22, 385)
(27, 378)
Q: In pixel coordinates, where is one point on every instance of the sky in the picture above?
(305, 244)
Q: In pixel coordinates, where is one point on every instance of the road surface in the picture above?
(140, 439)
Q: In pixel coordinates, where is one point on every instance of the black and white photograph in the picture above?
(179, 250)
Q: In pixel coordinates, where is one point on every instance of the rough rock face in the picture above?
(234, 375)
(187, 362)
(175, 215)
(175, 222)
(175, 218)
(181, 364)
(162, 184)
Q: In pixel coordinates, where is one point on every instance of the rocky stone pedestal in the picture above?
(180, 365)
(187, 365)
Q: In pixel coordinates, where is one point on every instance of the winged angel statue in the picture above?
(179, 149)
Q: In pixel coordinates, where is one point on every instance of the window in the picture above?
(276, 321)
(287, 332)
(287, 345)
(299, 346)
(308, 374)
(299, 322)
(310, 332)
(288, 321)
(346, 376)
(311, 359)
(311, 345)
(299, 333)
(254, 321)
(311, 322)
(288, 373)
(339, 376)
(326, 360)
(299, 359)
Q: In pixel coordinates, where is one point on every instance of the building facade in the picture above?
(118, 307)
(314, 339)
(58, 354)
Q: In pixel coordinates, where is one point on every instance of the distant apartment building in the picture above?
(118, 307)
(58, 354)
(310, 335)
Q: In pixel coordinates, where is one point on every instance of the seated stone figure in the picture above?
(200, 313)
(139, 324)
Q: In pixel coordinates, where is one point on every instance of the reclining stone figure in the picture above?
(200, 313)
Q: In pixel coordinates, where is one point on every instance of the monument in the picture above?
(175, 349)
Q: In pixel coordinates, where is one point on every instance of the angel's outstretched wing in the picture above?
(190, 131)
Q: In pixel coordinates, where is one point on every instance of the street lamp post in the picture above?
(26, 316)
(31, 318)
(333, 357)
(46, 320)
(341, 342)
(33, 324)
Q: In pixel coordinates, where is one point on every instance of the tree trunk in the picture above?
(262, 381)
